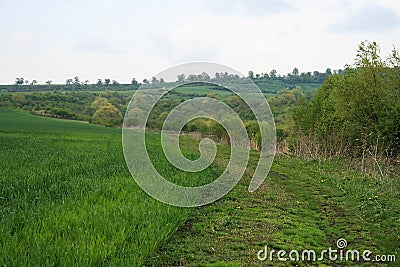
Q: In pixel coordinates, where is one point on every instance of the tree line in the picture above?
(295, 76)
(355, 112)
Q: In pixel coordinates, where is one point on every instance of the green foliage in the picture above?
(70, 105)
(280, 104)
(67, 105)
(135, 117)
(107, 114)
(214, 95)
(19, 99)
(359, 108)
(99, 102)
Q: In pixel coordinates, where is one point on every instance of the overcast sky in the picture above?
(119, 40)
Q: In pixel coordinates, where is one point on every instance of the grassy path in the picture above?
(301, 205)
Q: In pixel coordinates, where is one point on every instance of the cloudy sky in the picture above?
(91, 39)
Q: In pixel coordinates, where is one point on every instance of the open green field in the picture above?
(203, 90)
(67, 198)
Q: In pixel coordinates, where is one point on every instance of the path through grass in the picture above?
(301, 205)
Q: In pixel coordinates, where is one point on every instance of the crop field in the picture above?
(66, 197)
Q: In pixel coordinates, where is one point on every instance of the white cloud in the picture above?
(370, 17)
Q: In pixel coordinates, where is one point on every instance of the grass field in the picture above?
(67, 198)
(203, 90)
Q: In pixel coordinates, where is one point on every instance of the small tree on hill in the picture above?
(108, 115)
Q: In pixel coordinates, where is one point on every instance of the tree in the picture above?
(316, 73)
(251, 74)
(358, 109)
(107, 82)
(33, 82)
(99, 82)
(76, 80)
(295, 72)
(217, 130)
(368, 55)
(19, 81)
(26, 82)
(135, 117)
(114, 82)
(205, 76)
(99, 102)
(134, 82)
(192, 77)
(154, 80)
(181, 78)
(145, 81)
(18, 98)
(108, 115)
(214, 95)
(49, 82)
(162, 81)
(328, 71)
(69, 82)
(273, 73)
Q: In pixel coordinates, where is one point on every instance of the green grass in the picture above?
(67, 198)
(301, 205)
(203, 90)
(273, 86)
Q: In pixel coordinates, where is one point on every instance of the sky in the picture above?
(120, 40)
